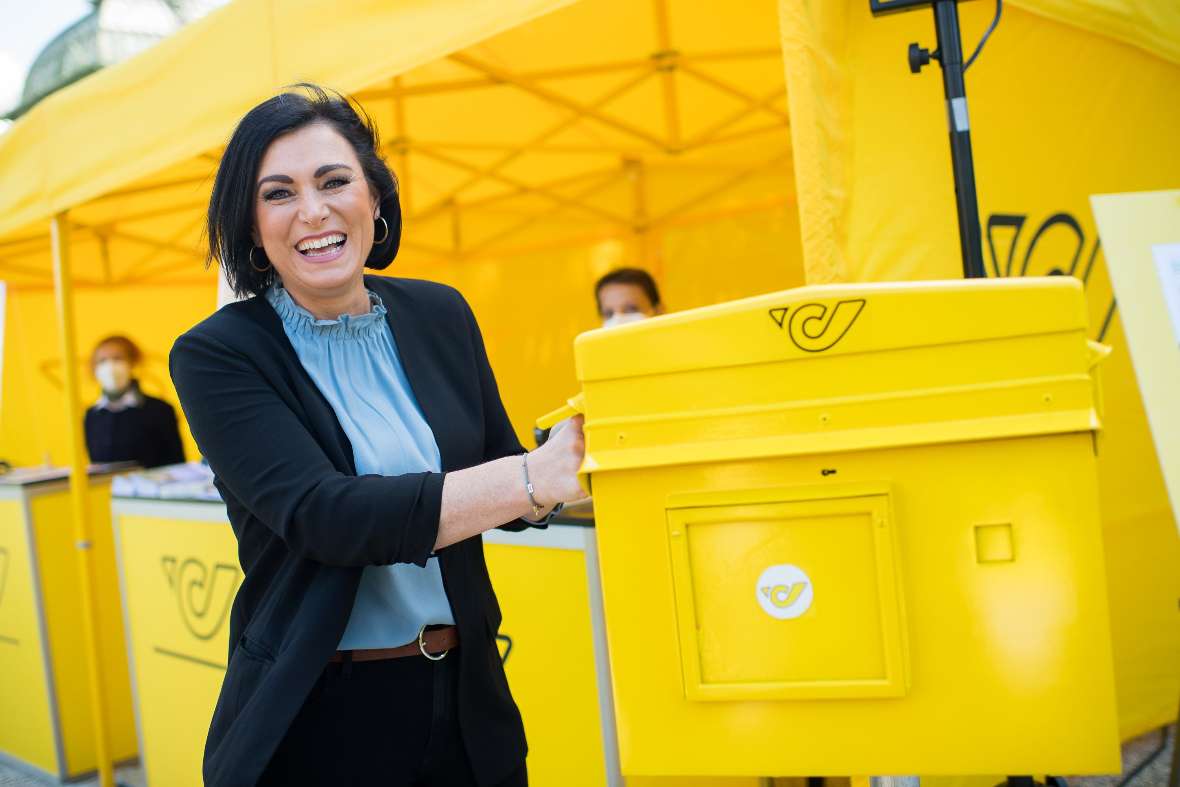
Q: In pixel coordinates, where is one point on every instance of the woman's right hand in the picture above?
(553, 468)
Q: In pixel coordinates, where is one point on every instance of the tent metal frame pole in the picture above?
(79, 494)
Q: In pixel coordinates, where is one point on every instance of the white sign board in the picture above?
(1141, 240)
(1167, 265)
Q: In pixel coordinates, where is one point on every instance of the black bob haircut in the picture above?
(231, 206)
(636, 276)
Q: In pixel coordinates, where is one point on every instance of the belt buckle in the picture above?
(422, 646)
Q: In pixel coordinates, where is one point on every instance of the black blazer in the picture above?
(306, 524)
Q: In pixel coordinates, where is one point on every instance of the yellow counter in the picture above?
(45, 707)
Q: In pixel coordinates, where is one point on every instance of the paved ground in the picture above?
(131, 776)
(1134, 752)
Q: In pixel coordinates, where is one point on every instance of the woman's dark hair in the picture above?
(134, 355)
(636, 276)
(231, 206)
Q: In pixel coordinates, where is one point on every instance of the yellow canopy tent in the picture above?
(1068, 99)
(531, 162)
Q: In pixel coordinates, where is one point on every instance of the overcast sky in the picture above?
(27, 27)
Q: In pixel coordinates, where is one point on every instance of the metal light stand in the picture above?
(950, 56)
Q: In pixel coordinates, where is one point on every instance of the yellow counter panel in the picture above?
(45, 707)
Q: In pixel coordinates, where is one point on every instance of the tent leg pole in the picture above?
(1174, 775)
(79, 493)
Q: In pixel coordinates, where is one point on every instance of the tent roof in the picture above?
(180, 98)
(153, 125)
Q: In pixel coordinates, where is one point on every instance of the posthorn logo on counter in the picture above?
(784, 591)
(203, 596)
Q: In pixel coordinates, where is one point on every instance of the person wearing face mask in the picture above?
(126, 425)
(626, 295)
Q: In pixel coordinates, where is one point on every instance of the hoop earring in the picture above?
(386, 235)
(250, 257)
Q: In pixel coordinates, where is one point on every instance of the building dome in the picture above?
(113, 31)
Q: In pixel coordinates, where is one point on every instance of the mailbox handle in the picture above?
(573, 406)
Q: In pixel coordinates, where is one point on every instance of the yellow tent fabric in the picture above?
(1152, 25)
(1067, 100)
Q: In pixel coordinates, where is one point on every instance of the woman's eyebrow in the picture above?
(330, 167)
(318, 173)
(279, 178)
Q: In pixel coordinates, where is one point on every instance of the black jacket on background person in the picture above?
(146, 434)
(306, 524)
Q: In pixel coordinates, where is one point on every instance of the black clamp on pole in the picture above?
(950, 56)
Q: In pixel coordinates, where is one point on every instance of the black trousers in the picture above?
(385, 723)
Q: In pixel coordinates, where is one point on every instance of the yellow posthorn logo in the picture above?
(784, 591)
(815, 327)
(783, 596)
(204, 596)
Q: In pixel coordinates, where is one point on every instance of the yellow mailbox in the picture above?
(853, 529)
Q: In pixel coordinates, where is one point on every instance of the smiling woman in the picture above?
(357, 436)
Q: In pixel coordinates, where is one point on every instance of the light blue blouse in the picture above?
(355, 364)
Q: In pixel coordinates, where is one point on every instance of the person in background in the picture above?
(625, 295)
(126, 425)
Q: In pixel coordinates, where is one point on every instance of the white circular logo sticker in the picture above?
(784, 591)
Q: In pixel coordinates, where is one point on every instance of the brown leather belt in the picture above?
(433, 644)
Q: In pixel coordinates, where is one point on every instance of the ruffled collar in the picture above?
(298, 320)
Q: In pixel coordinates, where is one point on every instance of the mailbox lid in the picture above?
(840, 368)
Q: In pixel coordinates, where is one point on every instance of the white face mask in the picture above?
(114, 375)
(622, 318)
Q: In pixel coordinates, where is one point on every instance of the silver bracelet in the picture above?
(528, 486)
